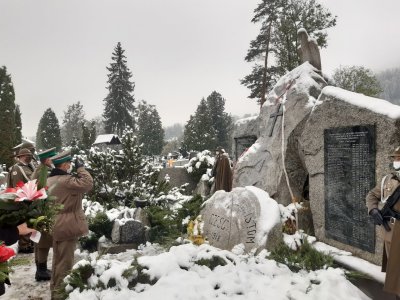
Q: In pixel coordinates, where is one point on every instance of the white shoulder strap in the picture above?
(383, 200)
(23, 173)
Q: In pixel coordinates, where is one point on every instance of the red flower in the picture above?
(5, 253)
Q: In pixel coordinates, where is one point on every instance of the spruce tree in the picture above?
(150, 131)
(221, 121)
(119, 103)
(277, 41)
(18, 125)
(88, 135)
(74, 116)
(199, 133)
(48, 132)
(7, 117)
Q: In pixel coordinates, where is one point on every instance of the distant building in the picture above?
(104, 141)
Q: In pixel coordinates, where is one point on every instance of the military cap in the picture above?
(27, 145)
(47, 153)
(396, 152)
(220, 149)
(61, 157)
(24, 152)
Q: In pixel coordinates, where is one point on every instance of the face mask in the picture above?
(396, 165)
(217, 152)
(69, 169)
(52, 166)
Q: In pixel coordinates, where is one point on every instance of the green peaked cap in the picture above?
(47, 153)
(62, 157)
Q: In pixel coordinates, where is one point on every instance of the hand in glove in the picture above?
(79, 163)
(376, 216)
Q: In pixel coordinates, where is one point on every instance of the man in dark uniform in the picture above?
(22, 171)
(391, 227)
(45, 243)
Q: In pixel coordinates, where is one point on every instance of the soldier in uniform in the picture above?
(27, 145)
(70, 222)
(22, 171)
(46, 241)
(390, 227)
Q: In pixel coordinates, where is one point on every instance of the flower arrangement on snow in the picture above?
(30, 204)
(5, 254)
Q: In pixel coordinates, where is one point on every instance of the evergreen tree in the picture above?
(88, 134)
(7, 117)
(277, 41)
(119, 108)
(150, 131)
(18, 125)
(48, 132)
(357, 79)
(221, 121)
(199, 133)
(74, 116)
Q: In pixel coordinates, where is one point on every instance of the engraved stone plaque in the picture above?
(349, 164)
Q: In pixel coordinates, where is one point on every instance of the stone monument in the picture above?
(244, 216)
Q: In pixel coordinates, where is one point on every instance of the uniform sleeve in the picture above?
(9, 235)
(82, 183)
(373, 198)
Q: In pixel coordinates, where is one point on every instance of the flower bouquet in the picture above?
(5, 254)
(27, 203)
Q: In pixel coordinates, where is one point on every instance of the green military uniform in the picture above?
(21, 172)
(46, 240)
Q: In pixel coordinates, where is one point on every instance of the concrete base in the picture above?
(111, 248)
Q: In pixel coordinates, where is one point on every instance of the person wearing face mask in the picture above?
(390, 226)
(70, 222)
(42, 248)
(22, 171)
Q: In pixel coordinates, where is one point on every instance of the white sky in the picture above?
(178, 50)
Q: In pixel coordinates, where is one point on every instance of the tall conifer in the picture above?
(7, 117)
(48, 132)
(18, 125)
(119, 108)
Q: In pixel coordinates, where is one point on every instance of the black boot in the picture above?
(42, 273)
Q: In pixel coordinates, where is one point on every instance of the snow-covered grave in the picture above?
(303, 131)
(247, 217)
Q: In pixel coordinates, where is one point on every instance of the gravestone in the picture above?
(349, 163)
(177, 177)
(243, 216)
(345, 144)
(242, 144)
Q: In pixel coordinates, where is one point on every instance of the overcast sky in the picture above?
(178, 50)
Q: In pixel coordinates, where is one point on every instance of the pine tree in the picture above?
(199, 133)
(18, 125)
(48, 132)
(7, 117)
(280, 20)
(221, 121)
(119, 103)
(150, 131)
(88, 135)
(74, 116)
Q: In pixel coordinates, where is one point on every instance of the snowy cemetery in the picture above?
(294, 226)
(272, 206)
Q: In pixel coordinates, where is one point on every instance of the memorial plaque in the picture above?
(243, 143)
(349, 154)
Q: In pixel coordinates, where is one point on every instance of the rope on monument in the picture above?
(283, 150)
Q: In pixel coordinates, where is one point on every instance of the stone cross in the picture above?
(275, 115)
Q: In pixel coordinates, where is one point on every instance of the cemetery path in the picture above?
(23, 283)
